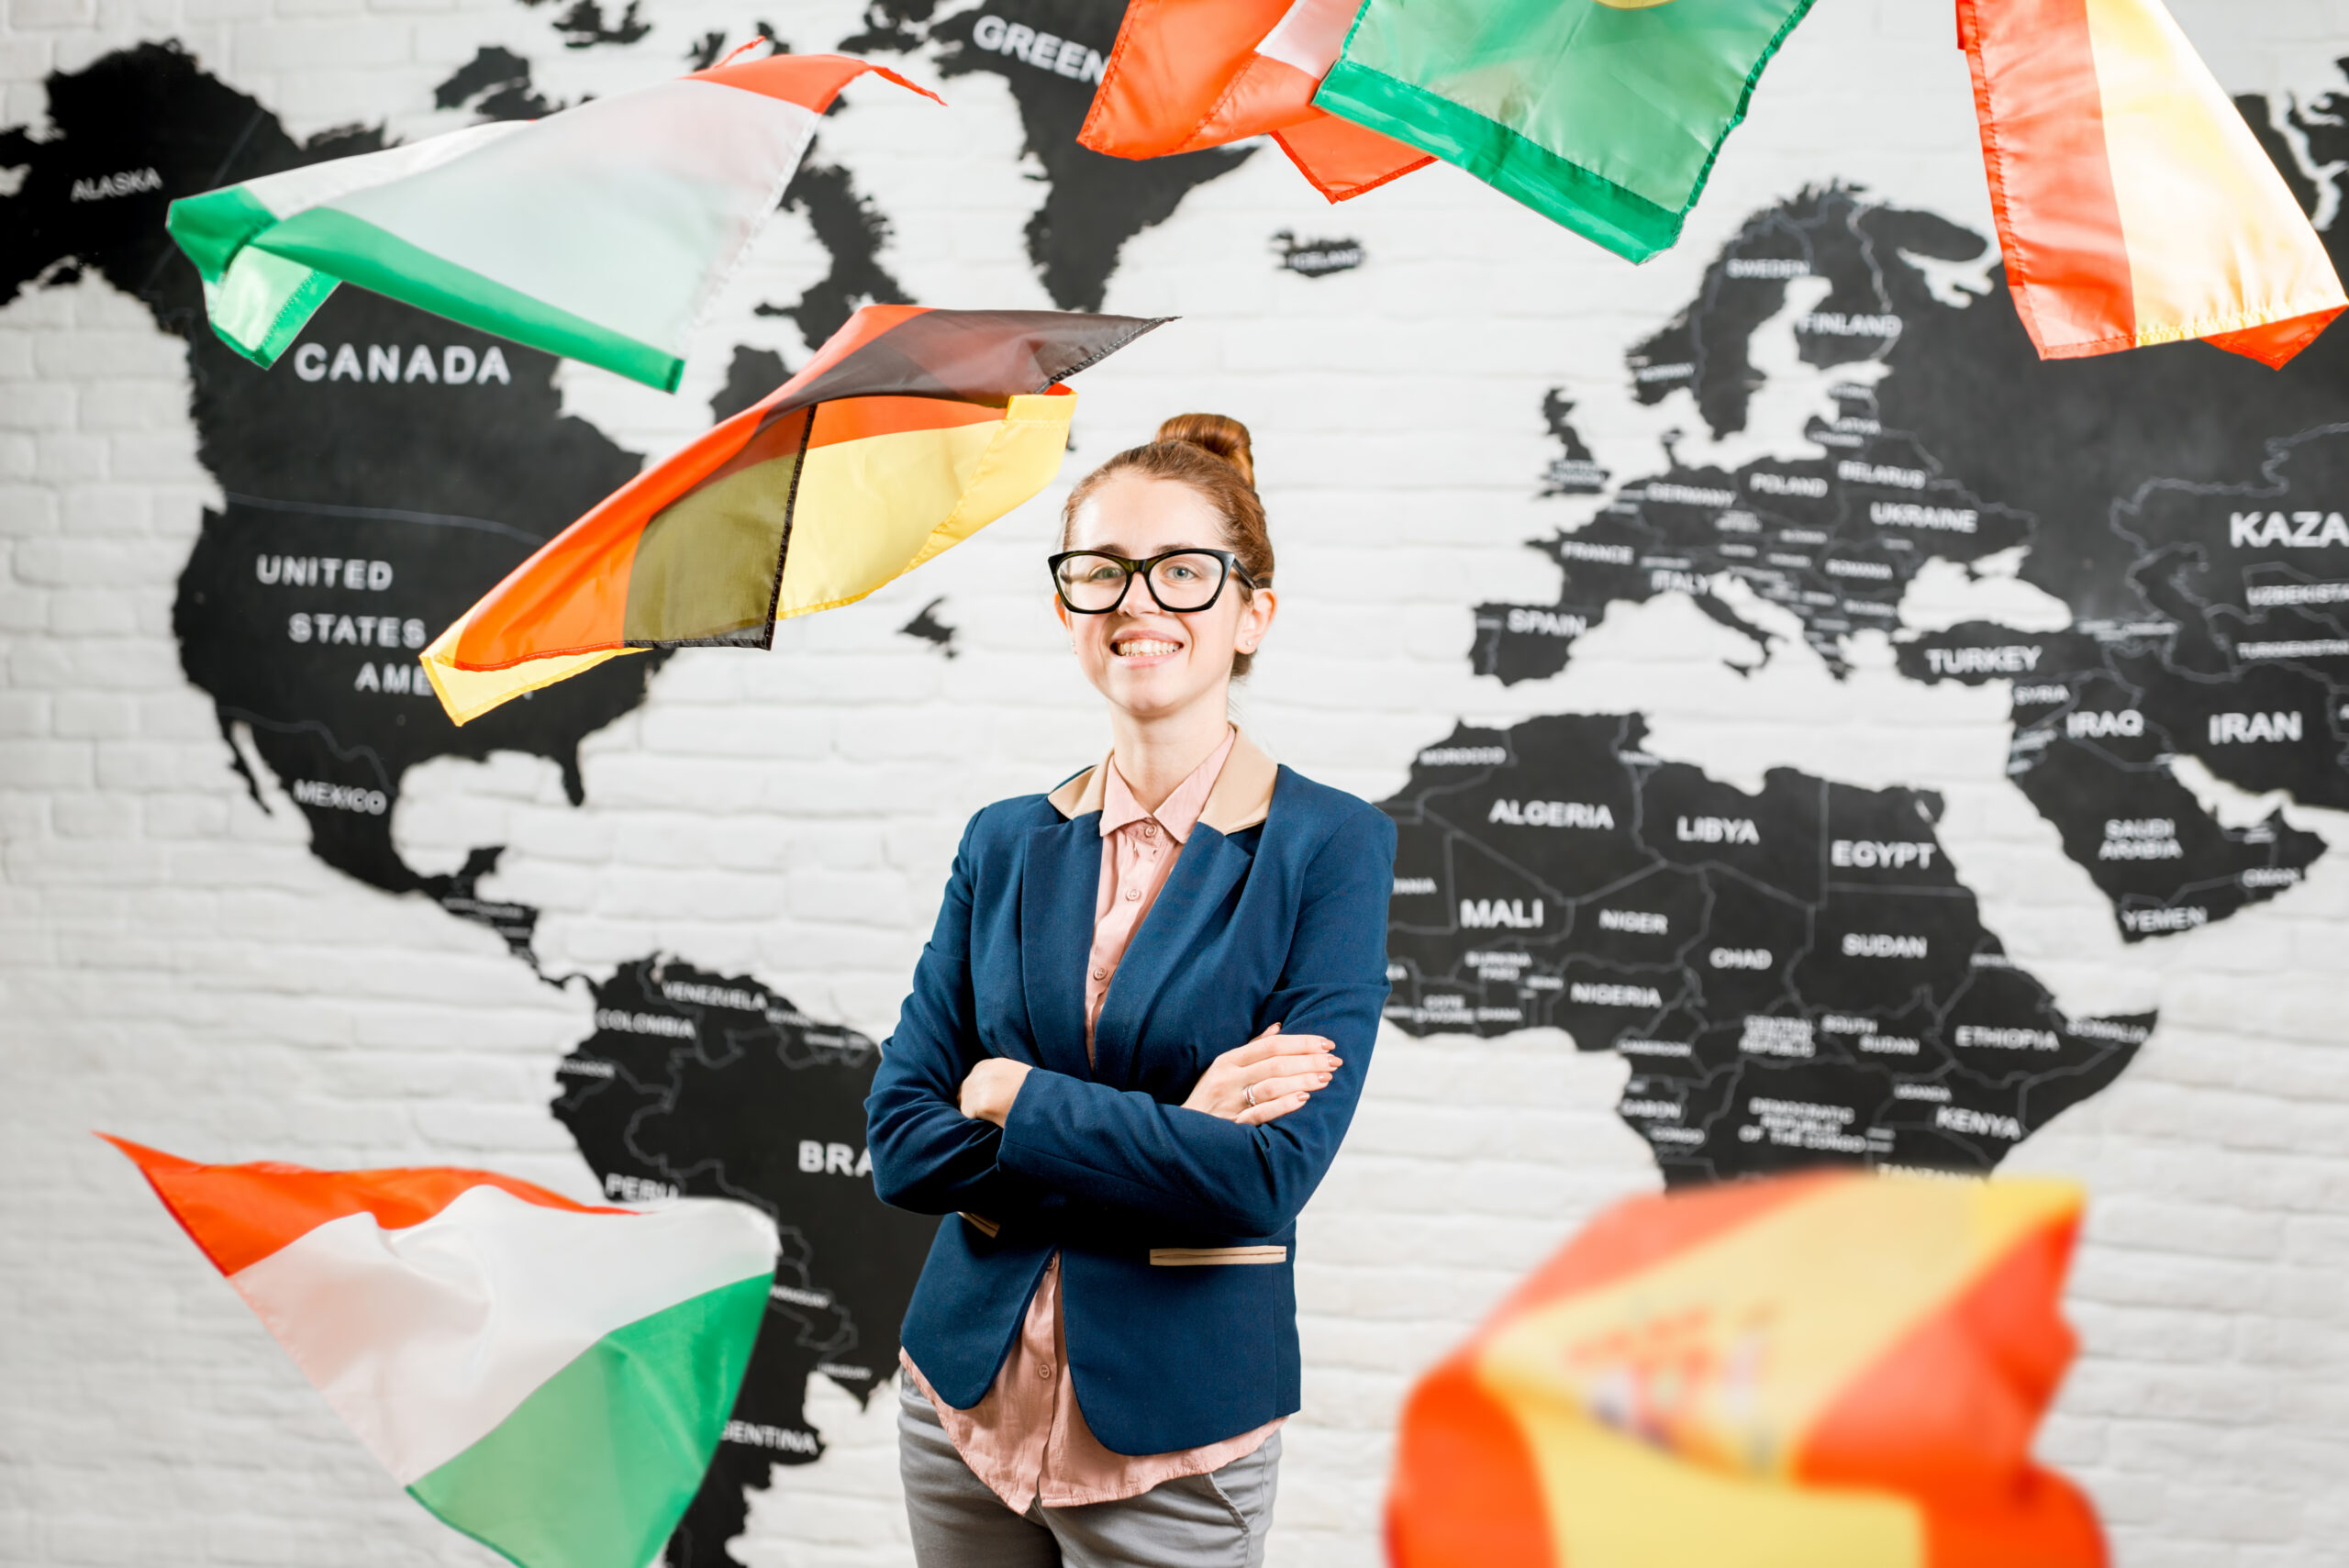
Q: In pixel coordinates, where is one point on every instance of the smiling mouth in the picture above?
(1143, 647)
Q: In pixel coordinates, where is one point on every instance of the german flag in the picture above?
(909, 431)
(1839, 1371)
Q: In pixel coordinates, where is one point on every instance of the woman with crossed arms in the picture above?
(1133, 1044)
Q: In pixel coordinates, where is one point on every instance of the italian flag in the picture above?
(600, 233)
(550, 1378)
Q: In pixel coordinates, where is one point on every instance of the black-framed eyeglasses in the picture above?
(1094, 582)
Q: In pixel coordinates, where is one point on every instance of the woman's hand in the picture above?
(992, 1085)
(1270, 1076)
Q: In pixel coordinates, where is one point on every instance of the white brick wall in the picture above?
(174, 963)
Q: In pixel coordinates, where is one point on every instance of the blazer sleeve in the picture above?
(1126, 1151)
(927, 1155)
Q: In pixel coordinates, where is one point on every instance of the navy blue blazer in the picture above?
(1177, 1230)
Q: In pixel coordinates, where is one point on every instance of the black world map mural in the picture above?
(1798, 976)
(1795, 977)
(2182, 503)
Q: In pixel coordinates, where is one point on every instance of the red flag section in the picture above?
(811, 81)
(240, 1214)
(1187, 75)
(1830, 1370)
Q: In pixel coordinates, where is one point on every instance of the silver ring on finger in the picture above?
(1248, 1093)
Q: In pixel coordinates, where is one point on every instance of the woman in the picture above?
(1133, 1044)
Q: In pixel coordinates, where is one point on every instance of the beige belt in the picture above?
(1196, 1257)
(1172, 1257)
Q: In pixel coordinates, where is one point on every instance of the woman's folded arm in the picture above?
(1131, 1151)
(927, 1155)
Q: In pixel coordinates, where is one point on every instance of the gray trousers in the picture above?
(1215, 1521)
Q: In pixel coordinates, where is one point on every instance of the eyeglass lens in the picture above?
(1179, 582)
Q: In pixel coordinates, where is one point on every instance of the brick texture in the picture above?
(175, 965)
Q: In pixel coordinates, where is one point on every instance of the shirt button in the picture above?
(1150, 829)
(1132, 892)
(1100, 975)
(1043, 1372)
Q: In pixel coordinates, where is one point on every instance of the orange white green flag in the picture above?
(601, 233)
(550, 1378)
(909, 430)
(1840, 1371)
(1187, 75)
(2135, 206)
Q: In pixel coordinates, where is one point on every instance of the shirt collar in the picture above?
(1179, 812)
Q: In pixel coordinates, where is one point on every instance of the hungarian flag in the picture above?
(1832, 1371)
(1191, 74)
(2135, 206)
(550, 1379)
(600, 233)
(909, 431)
(1601, 115)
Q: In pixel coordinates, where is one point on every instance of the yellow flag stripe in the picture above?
(1024, 457)
(1615, 1502)
(2215, 241)
(871, 510)
(466, 695)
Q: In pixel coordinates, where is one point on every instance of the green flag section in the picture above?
(619, 1440)
(550, 1377)
(601, 233)
(1602, 115)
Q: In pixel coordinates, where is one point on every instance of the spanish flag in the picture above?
(2134, 207)
(1187, 75)
(909, 431)
(1838, 1371)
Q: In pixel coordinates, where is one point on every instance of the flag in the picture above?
(1186, 75)
(2135, 206)
(600, 233)
(1837, 1371)
(550, 1379)
(909, 431)
(1602, 115)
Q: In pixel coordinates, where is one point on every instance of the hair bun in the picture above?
(1219, 434)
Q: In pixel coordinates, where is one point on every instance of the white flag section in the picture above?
(550, 1378)
(425, 1339)
(601, 233)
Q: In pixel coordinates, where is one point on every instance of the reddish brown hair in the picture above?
(1209, 453)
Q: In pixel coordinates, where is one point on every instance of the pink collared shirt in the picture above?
(1025, 1438)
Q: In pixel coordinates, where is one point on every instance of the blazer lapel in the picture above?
(1178, 921)
(1060, 886)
